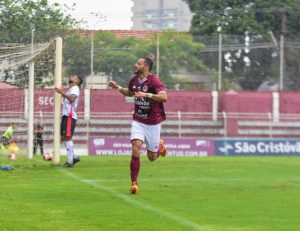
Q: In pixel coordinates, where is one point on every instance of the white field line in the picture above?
(134, 201)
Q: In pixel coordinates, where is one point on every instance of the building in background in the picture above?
(161, 15)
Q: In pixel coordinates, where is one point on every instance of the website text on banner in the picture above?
(175, 147)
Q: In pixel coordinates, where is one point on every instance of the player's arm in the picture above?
(60, 90)
(160, 97)
(70, 97)
(124, 91)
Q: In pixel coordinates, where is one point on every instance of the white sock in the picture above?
(70, 152)
(73, 153)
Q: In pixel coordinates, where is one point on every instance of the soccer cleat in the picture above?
(162, 151)
(134, 188)
(68, 165)
(76, 160)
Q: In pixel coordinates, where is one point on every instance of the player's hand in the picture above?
(140, 94)
(59, 90)
(113, 84)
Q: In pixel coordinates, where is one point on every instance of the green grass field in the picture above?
(176, 193)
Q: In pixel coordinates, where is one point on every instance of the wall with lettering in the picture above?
(257, 147)
(175, 147)
(44, 100)
(185, 101)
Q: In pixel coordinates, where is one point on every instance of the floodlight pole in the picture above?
(157, 54)
(220, 63)
(92, 52)
(282, 63)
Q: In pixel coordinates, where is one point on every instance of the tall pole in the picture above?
(157, 54)
(220, 63)
(161, 7)
(57, 100)
(92, 53)
(30, 101)
(283, 31)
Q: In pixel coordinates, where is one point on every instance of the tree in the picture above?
(116, 56)
(252, 19)
(19, 18)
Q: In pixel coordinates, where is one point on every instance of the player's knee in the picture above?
(136, 150)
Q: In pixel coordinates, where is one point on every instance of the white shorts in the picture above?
(150, 134)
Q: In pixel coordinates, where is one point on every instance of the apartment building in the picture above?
(161, 15)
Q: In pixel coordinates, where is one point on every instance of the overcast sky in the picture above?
(100, 14)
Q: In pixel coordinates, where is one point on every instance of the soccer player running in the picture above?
(149, 94)
(69, 117)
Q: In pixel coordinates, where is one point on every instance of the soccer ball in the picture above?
(47, 156)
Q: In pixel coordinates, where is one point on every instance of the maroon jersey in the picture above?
(146, 110)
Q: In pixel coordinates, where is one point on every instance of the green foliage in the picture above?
(19, 18)
(115, 57)
(256, 18)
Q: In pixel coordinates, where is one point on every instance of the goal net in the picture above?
(28, 74)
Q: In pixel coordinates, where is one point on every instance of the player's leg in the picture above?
(75, 157)
(137, 138)
(6, 142)
(66, 137)
(3, 146)
(135, 164)
(69, 148)
(41, 143)
(72, 158)
(155, 146)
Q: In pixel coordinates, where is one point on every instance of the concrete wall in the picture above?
(15, 100)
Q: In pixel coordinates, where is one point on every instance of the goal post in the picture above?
(57, 100)
(28, 75)
(30, 110)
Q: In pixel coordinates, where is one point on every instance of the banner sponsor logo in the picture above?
(175, 147)
(244, 147)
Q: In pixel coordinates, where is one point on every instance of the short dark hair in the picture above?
(149, 62)
(80, 80)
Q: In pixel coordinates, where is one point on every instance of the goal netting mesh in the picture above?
(27, 80)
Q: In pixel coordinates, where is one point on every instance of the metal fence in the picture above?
(177, 125)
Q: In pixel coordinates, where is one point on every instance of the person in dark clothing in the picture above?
(38, 138)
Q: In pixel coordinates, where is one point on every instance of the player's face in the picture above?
(73, 80)
(139, 66)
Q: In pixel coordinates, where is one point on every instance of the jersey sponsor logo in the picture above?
(145, 88)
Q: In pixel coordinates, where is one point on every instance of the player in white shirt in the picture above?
(69, 117)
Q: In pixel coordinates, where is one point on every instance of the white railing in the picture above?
(177, 125)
